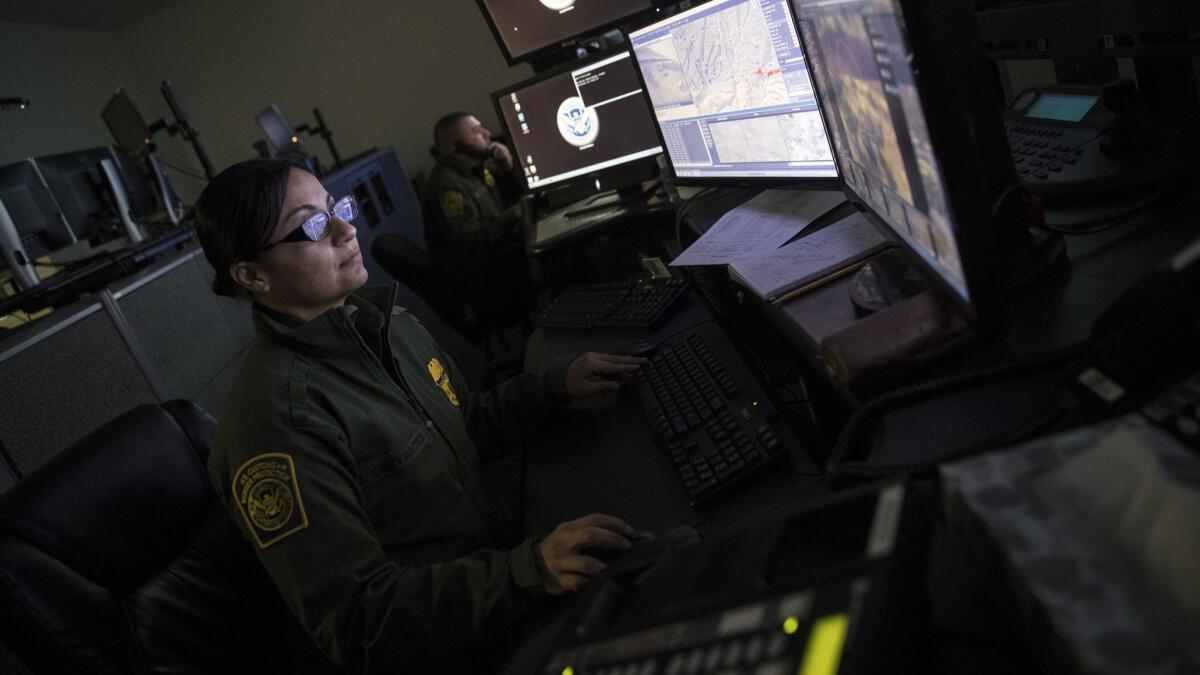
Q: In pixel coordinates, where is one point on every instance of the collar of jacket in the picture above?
(325, 334)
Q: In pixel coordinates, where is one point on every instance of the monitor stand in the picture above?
(624, 197)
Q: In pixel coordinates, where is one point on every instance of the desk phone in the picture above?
(1054, 134)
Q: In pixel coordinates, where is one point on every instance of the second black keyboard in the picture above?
(626, 304)
(713, 423)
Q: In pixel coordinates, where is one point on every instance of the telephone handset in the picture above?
(472, 150)
(1081, 141)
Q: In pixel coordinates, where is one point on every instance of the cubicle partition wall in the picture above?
(64, 377)
(191, 338)
(158, 335)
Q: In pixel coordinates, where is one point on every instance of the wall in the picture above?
(381, 71)
(68, 74)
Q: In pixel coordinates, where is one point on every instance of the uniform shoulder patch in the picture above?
(452, 203)
(442, 378)
(268, 497)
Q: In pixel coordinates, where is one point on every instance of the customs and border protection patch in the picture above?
(452, 203)
(440, 377)
(268, 496)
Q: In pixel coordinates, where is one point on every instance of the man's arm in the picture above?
(473, 235)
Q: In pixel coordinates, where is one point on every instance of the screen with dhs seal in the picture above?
(576, 122)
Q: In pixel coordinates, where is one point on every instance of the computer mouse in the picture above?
(640, 349)
(607, 555)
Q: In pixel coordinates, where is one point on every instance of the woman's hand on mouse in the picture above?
(593, 373)
(560, 560)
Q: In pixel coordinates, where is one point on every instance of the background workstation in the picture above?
(158, 334)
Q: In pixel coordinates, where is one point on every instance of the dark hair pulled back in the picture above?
(237, 212)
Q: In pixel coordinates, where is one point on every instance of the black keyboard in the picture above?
(709, 414)
(626, 304)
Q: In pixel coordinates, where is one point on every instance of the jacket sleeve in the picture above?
(471, 235)
(364, 610)
(513, 410)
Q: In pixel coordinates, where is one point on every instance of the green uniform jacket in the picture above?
(348, 452)
(467, 220)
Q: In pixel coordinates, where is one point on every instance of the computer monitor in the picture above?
(30, 226)
(143, 203)
(86, 198)
(578, 121)
(126, 124)
(32, 209)
(528, 28)
(280, 133)
(917, 131)
(731, 93)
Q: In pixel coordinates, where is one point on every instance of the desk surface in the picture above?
(569, 225)
(600, 456)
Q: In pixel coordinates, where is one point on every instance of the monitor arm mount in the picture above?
(323, 131)
(183, 128)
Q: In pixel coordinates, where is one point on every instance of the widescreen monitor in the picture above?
(572, 123)
(82, 192)
(126, 124)
(32, 209)
(923, 153)
(731, 93)
(526, 28)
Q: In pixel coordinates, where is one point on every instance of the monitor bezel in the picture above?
(818, 182)
(651, 6)
(557, 71)
(961, 115)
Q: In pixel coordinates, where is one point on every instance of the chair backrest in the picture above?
(408, 263)
(116, 557)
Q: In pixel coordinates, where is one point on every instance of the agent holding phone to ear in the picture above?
(468, 221)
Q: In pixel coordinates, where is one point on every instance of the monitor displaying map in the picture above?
(728, 82)
(862, 67)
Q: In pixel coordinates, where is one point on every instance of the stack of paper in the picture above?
(751, 240)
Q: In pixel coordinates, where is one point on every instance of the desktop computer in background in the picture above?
(528, 30)
(90, 194)
(732, 96)
(31, 225)
(135, 146)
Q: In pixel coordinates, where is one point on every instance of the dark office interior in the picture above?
(738, 336)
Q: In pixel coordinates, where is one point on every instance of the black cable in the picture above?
(181, 169)
(938, 386)
(698, 198)
(1104, 222)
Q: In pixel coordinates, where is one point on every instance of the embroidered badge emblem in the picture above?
(442, 379)
(268, 497)
(452, 203)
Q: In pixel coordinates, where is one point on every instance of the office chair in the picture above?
(481, 307)
(115, 557)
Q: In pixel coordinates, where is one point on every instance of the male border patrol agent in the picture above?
(348, 449)
(467, 218)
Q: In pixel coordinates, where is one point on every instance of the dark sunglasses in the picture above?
(316, 227)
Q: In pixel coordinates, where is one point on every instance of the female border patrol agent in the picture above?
(349, 445)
